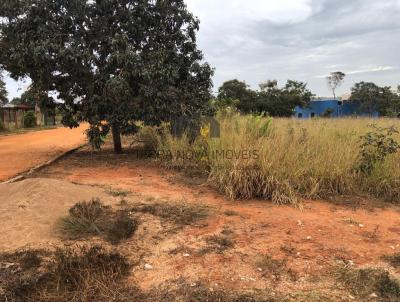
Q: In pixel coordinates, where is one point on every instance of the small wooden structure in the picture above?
(12, 116)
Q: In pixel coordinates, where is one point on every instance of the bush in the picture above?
(376, 146)
(29, 119)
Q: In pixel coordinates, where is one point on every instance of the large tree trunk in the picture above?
(116, 133)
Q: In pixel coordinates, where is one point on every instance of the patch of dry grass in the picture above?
(180, 213)
(287, 159)
(94, 219)
(369, 281)
(73, 274)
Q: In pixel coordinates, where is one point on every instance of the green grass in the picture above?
(285, 160)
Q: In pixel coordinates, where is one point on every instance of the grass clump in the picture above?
(85, 219)
(94, 219)
(367, 281)
(219, 243)
(275, 268)
(201, 293)
(70, 274)
(179, 213)
(118, 192)
(393, 260)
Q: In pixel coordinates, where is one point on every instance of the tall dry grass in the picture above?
(286, 159)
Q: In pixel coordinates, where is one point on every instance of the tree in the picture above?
(3, 92)
(282, 102)
(237, 93)
(270, 99)
(374, 98)
(335, 80)
(112, 62)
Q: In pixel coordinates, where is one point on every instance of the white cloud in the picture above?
(371, 69)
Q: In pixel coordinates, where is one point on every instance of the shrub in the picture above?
(29, 119)
(376, 146)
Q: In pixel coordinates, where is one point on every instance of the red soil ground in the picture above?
(20, 152)
(310, 239)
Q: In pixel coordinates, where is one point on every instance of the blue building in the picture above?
(331, 108)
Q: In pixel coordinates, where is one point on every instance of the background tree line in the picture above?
(270, 99)
(282, 101)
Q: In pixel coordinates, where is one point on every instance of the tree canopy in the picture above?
(374, 98)
(270, 99)
(3, 92)
(112, 62)
(334, 80)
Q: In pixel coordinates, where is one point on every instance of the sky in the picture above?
(304, 40)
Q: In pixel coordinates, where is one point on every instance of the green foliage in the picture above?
(97, 135)
(334, 80)
(376, 145)
(236, 93)
(3, 92)
(270, 99)
(113, 61)
(373, 98)
(327, 113)
(29, 119)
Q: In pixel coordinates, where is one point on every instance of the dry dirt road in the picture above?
(21, 152)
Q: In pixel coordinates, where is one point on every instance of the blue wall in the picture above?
(340, 109)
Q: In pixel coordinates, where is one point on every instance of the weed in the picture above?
(288, 249)
(351, 221)
(179, 213)
(393, 260)
(217, 243)
(118, 192)
(364, 282)
(270, 266)
(231, 213)
(372, 236)
(376, 146)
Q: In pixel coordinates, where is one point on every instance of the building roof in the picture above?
(12, 106)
